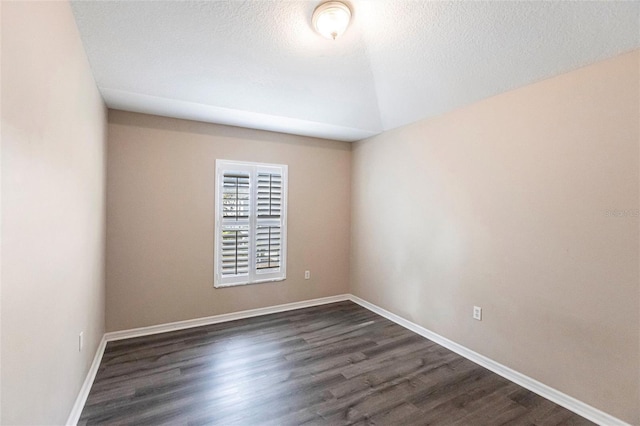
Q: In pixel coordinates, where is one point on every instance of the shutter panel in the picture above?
(235, 252)
(235, 196)
(269, 209)
(234, 232)
(269, 195)
(268, 247)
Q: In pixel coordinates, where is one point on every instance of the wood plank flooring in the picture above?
(332, 365)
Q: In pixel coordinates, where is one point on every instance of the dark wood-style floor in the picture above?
(333, 364)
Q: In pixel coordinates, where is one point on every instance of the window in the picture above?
(251, 223)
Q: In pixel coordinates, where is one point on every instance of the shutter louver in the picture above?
(269, 195)
(268, 243)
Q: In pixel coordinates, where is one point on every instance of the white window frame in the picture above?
(254, 276)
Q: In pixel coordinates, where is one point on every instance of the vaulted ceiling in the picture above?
(259, 64)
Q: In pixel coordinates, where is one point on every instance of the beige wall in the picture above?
(53, 135)
(502, 204)
(160, 218)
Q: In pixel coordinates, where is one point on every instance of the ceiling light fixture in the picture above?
(331, 19)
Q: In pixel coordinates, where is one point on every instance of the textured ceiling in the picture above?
(258, 64)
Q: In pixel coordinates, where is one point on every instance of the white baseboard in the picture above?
(74, 416)
(568, 402)
(181, 325)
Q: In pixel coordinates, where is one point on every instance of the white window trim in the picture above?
(254, 276)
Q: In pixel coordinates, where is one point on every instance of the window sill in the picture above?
(249, 282)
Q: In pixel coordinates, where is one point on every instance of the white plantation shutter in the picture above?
(268, 248)
(235, 251)
(269, 195)
(250, 239)
(235, 195)
(269, 222)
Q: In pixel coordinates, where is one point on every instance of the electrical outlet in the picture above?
(477, 313)
(307, 275)
(80, 341)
